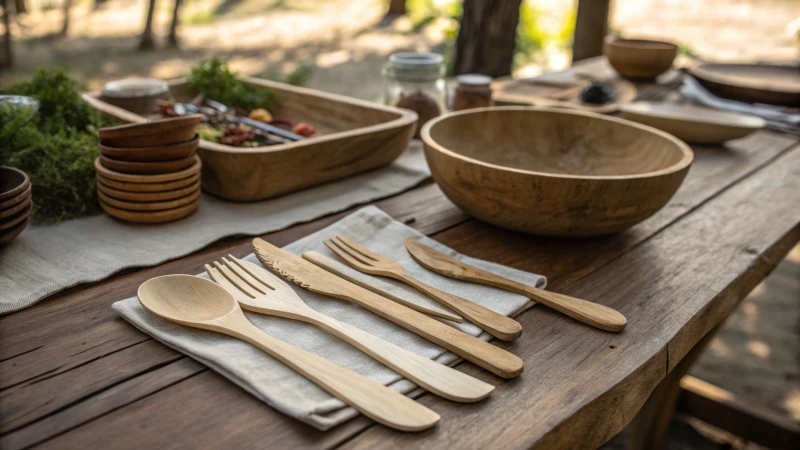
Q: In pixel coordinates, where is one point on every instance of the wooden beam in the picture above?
(724, 410)
(591, 26)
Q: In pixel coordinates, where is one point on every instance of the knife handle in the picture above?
(496, 360)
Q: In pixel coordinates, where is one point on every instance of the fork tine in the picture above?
(261, 274)
(236, 281)
(345, 256)
(259, 285)
(361, 249)
(220, 279)
(352, 252)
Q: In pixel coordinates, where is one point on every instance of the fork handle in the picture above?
(496, 324)
(372, 399)
(430, 375)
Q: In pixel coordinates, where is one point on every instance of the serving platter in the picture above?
(751, 83)
(693, 123)
(356, 136)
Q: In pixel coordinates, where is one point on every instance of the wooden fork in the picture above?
(260, 291)
(363, 260)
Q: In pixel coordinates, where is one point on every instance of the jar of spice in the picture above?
(473, 91)
(415, 81)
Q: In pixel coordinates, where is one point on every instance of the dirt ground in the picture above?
(756, 356)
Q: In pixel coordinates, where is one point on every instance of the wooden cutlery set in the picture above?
(237, 284)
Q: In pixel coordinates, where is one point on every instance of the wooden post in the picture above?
(591, 26)
(486, 37)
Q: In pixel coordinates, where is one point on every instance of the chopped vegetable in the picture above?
(305, 129)
(260, 114)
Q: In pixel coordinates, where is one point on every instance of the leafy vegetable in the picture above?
(213, 79)
(57, 148)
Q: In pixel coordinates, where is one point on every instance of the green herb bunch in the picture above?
(215, 81)
(56, 148)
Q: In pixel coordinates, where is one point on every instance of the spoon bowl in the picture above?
(186, 299)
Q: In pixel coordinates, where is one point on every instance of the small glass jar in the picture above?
(415, 81)
(473, 91)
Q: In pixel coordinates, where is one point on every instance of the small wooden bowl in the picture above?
(147, 168)
(149, 206)
(149, 196)
(150, 216)
(640, 58)
(24, 203)
(151, 134)
(25, 195)
(105, 172)
(10, 222)
(148, 187)
(152, 154)
(9, 235)
(554, 171)
(13, 182)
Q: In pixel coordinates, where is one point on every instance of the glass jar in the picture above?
(415, 81)
(473, 91)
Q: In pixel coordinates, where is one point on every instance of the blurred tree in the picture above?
(397, 7)
(19, 7)
(147, 42)
(486, 37)
(172, 40)
(65, 24)
(7, 56)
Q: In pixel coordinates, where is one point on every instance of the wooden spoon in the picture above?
(593, 314)
(201, 303)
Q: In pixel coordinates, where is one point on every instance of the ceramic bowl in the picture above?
(640, 58)
(137, 95)
(554, 171)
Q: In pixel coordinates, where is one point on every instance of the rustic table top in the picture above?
(75, 374)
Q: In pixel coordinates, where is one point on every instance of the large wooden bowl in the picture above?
(552, 171)
(640, 59)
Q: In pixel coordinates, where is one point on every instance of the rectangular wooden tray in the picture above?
(356, 136)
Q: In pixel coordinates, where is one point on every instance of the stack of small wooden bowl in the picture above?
(149, 172)
(15, 203)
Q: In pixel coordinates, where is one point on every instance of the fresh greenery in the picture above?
(213, 79)
(56, 148)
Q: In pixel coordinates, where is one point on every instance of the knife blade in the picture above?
(315, 279)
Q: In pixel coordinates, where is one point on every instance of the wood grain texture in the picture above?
(148, 187)
(584, 175)
(107, 173)
(146, 168)
(177, 415)
(256, 289)
(598, 316)
(149, 196)
(356, 136)
(192, 197)
(199, 303)
(311, 277)
(163, 216)
(363, 260)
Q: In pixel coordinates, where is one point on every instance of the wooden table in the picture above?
(74, 374)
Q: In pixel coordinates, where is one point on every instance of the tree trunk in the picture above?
(486, 38)
(591, 26)
(173, 28)
(397, 7)
(147, 42)
(65, 23)
(19, 7)
(7, 56)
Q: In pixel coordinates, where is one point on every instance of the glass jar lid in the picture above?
(411, 66)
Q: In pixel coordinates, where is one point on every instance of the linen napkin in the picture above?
(287, 391)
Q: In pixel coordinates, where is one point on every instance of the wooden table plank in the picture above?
(582, 386)
(715, 170)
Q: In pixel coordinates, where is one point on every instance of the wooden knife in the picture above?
(590, 313)
(315, 279)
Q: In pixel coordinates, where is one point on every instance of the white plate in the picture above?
(693, 123)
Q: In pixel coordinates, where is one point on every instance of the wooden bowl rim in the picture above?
(18, 189)
(160, 205)
(11, 221)
(703, 73)
(158, 178)
(153, 217)
(630, 43)
(714, 117)
(685, 161)
(156, 187)
(14, 201)
(144, 128)
(132, 164)
(195, 141)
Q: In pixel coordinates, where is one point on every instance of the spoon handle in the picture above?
(372, 399)
(498, 325)
(430, 375)
(590, 313)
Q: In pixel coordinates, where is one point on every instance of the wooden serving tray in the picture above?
(357, 136)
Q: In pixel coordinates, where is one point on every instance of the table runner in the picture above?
(285, 390)
(46, 259)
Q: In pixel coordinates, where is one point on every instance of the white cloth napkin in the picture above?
(290, 393)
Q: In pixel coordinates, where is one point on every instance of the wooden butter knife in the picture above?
(316, 279)
(590, 313)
